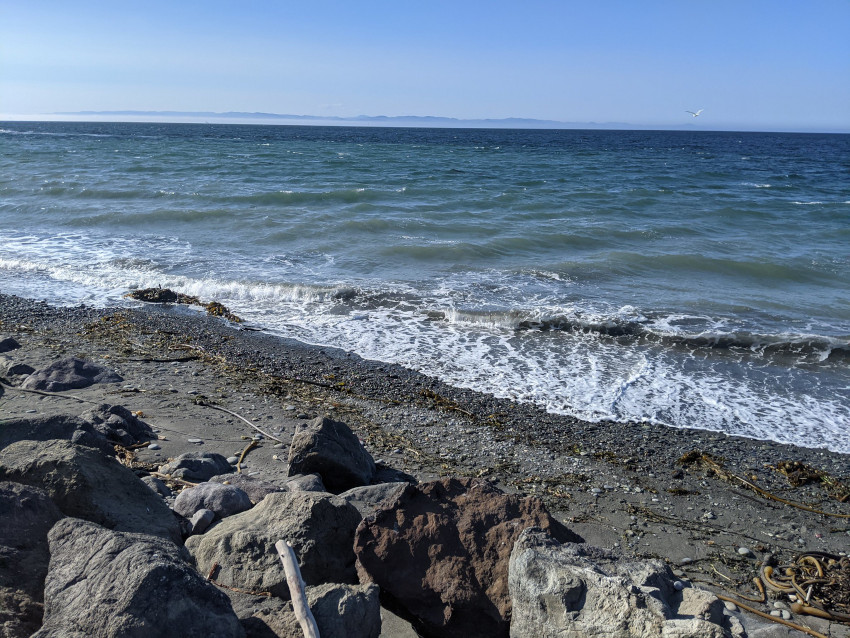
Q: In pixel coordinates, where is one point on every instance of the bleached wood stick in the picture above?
(296, 589)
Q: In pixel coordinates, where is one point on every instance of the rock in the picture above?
(201, 520)
(223, 500)
(196, 466)
(369, 497)
(53, 427)
(8, 344)
(352, 611)
(440, 551)
(331, 450)
(26, 516)
(304, 483)
(8, 368)
(84, 483)
(69, 374)
(117, 424)
(157, 486)
(256, 489)
(320, 527)
(106, 583)
(581, 591)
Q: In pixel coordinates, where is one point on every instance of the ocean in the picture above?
(694, 279)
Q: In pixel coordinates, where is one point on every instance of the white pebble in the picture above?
(678, 585)
(195, 440)
(154, 446)
(743, 551)
(730, 605)
(233, 460)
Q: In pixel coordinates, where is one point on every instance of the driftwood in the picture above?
(296, 589)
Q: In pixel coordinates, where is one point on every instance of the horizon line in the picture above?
(419, 121)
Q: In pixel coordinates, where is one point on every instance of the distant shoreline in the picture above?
(390, 121)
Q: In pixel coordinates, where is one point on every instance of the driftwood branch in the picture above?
(296, 589)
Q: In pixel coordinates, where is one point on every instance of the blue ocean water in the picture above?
(695, 279)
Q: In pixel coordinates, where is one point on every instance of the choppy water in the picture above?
(694, 279)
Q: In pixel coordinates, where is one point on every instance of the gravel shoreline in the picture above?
(622, 486)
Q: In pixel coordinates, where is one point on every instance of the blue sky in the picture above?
(750, 64)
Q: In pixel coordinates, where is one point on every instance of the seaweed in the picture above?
(166, 295)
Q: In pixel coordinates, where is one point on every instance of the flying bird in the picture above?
(695, 114)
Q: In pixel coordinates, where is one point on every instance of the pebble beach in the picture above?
(712, 506)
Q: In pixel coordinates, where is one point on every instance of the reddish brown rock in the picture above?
(440, 552)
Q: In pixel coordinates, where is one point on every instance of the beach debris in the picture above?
(799, 474)
(253, 443)
(166, 295)
(714, 465)
(296, 589)
(207, 404)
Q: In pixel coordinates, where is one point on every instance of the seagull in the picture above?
(695, 114)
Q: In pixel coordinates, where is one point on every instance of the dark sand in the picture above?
(618, 485)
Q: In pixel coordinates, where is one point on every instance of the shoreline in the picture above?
(620, 486)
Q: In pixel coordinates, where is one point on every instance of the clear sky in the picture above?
(750, 64)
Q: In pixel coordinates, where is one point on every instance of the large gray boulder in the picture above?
(222, 500)
(116, 584)
(69, 374)
(352, 611)
(11, 368)
(330, 449)
(45, 428)
(258, 489)
(196, 466)
(118, 425)
(87, 484)
(26, 516)
(574, 590)
(368, 498)
(320, 528)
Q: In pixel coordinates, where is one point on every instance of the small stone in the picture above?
(776, 613)
(201, 520)
(596, 490)
(30, 411)
(786, 615)
(678, 585)
(686, 560)
(743, 551)
(289, 408)
(779, 605)
(279, 446)
(302, 416)
(608, 487)
(730, 605)
(154, 446)
(709, 515)
(233, 460)
(195, 440)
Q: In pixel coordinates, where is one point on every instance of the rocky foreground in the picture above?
(150, 462)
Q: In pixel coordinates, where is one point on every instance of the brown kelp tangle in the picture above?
(799, 474)
(715, 466)
(166, 295)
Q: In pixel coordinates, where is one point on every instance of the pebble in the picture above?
(686, 560)
(195, 440)
(743, 551)
(279, 446)
(786, 615)
(678, 585)
(154, 446)
(709, 515)
(730, 605)
(233, 460)
(302, 416)
(30, 411)
(596, 490)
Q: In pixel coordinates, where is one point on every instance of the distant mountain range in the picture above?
(376, 120)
